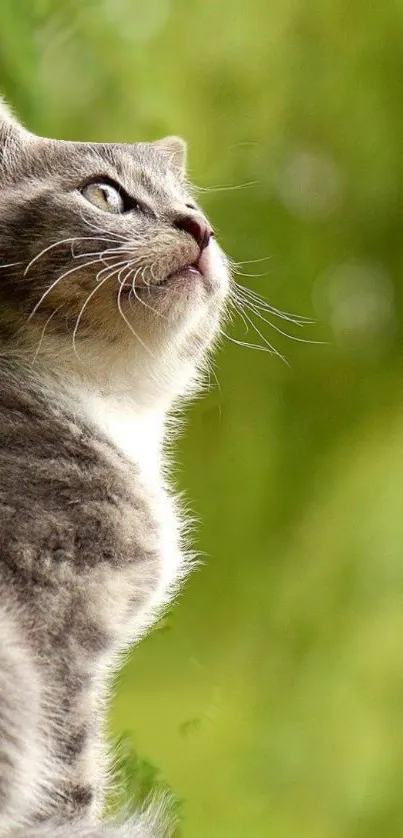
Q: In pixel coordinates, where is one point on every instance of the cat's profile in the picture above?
(111, 291)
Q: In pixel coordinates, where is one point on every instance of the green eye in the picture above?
(104, 196)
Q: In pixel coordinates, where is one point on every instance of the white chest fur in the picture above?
(136, 434)
(139, 437)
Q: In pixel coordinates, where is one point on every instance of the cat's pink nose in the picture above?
(197, 225)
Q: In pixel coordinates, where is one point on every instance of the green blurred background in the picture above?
(271, 700)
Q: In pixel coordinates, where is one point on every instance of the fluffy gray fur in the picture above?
(105, 322)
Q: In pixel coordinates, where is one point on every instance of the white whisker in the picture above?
(152, 270)
(251, 276)
(239, 310)
(43, 332)
(146, 305)
(247, 295)
(132, 291)
(108, 267)
(126, 269)
(110, 250)
(264, 339)
(122, 314)
(248, 345)
(10, 265)
(84, 306)
(255, 310)
(95, 229)
(57, 244)
(224, 188)
(59, 279)
(236, 264)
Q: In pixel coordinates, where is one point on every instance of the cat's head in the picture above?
(106, 262)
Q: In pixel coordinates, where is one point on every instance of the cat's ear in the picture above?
(11, 131)
(174, 149)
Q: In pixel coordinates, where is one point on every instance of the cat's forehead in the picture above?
(144, 167)
(140, 168)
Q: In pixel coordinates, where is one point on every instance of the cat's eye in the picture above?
(104, 196)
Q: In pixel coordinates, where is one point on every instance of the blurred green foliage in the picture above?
(273, 702)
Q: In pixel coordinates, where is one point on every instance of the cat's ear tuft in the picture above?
(175, 151)
(10, 129)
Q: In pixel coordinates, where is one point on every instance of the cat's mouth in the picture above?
(187, 272)
(196, 271)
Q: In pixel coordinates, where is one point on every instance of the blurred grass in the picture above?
(272, 704)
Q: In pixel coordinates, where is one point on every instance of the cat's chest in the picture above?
(137, 435)
(139, 439)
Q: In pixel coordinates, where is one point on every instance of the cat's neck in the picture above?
(116, 409)
(137, 432)
(117, 387)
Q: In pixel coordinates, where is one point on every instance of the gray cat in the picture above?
(112, 287)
